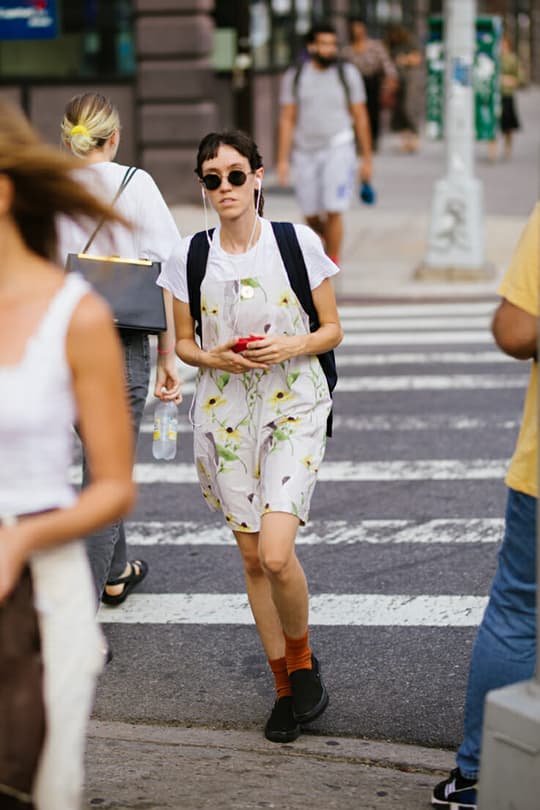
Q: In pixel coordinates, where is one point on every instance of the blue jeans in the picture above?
(505, 648)
(106, 548)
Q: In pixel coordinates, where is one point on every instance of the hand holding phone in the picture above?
(241, 343)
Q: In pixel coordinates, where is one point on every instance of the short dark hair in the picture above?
(235, 138)
(321, 27)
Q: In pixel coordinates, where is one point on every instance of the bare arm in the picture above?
(363, 136)
(95, 358)
(277, 348)
(167, 376)
(515, 331)
(287, 123)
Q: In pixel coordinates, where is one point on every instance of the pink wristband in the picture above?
(166, 351)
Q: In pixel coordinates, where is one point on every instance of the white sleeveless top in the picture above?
(37, 410)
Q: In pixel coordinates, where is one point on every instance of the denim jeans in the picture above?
(505, 648)
(106, 548)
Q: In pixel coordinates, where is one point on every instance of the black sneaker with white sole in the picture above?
(310, 697)
(455, 793)
(281, 727)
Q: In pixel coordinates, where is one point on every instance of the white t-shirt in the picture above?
(323, 115)
(155, 235)
(224, 266)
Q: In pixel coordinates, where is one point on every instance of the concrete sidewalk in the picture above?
(170, 768)
(384, 243)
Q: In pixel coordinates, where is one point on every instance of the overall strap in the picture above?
(197, 259)
(295, 265)
(128, 176)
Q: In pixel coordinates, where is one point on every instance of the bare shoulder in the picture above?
(91, 323)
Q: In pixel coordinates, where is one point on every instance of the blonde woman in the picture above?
(60, 361)
(91, 130)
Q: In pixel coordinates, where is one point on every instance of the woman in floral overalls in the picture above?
(260, 414)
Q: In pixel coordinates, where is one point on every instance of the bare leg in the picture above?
(492, 151)
(285, 574)
(507, 144)
(317, 223)
(260, 596)
(333, 234)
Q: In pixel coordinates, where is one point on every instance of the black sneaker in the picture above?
(281, 727)
(455, 793)
(310, 697)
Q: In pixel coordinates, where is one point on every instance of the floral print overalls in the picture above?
(259, 436)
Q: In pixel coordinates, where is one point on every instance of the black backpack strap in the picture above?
(295, 265)
(343, 80)
(197, 259)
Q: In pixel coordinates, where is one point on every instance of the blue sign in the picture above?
(28, 19)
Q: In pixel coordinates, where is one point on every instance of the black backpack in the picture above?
(293, 259)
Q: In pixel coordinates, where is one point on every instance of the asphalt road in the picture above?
(399, 552)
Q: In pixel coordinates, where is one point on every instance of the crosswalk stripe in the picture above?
(352, 610)
(343, 471)
(421, 358)
(327, 532)
(418, 310)
(432, 382)
(360, 324)
(418, 382)
(392, 422)
(414, 338)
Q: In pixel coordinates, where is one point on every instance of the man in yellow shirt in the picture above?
(505, 648)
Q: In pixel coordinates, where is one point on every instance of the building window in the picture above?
(93, 39)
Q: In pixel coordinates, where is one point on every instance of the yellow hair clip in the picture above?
(79, 129)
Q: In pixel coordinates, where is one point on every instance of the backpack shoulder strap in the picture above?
(295, 265)
(296, 80)
(197, 259)
(343, 80)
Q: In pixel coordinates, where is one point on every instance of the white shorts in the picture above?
(324, 180)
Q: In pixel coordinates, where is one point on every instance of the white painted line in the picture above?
(414, 310)
(361, 324)
(391, 422)
(430, 422)
(419, 382)
(396, 358)
(415, 338)
(431, 382)
(349, 610)
(460, 531)
(343, 471)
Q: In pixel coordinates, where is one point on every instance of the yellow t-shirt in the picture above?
(520, 286)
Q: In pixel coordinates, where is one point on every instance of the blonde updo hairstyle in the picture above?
(43, 184)
(89, 121)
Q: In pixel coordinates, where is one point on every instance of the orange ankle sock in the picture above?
(298, 653)
(281, 676)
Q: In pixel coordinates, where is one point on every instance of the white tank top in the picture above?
(37, 410)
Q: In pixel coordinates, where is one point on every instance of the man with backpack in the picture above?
(323, 112)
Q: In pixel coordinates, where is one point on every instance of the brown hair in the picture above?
(244, 145)
(43, 183)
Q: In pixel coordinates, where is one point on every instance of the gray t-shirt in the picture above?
(323, 117)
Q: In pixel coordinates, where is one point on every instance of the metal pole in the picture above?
(456, 235)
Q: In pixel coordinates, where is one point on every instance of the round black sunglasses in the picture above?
(213, 181)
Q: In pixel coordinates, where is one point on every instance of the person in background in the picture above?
(322, 110)
(408, 108)
(378, 72)
(505, 648)
(259, 413)
(60, 360)
(511, 79)
(91, 130)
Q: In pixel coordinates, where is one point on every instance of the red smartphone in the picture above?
(241, 343)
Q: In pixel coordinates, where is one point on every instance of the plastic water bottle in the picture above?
(165, 431)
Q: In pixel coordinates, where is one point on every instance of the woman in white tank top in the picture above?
(60, 361)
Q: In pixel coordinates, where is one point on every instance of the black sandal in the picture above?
(129, 581)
